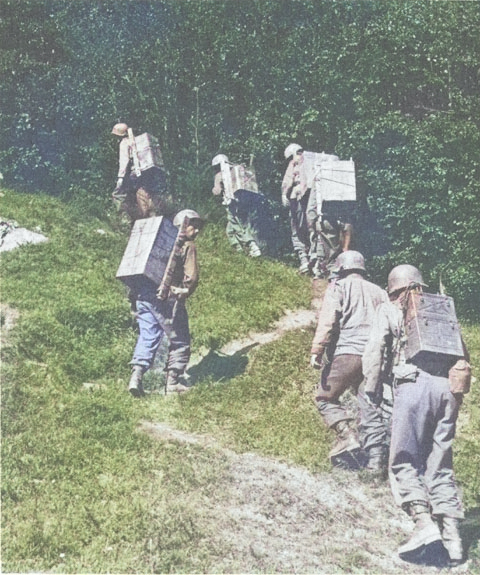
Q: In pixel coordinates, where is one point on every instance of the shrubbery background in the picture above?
(394, 85)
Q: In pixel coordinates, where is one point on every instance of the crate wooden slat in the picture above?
(148, 152)
(148, 251)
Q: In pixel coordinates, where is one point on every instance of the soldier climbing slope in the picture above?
(139, 193)
(295, 196)
(428, 391)
(238, 233)
(168, 317)
(344, 323)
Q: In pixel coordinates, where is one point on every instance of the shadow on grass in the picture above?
(433, 554)
(219, 366)
(470, 529)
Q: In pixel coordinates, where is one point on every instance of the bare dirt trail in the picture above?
(277, 518)
(273, 517)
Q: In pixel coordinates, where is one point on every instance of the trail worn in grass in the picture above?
(84, 490)
(269, 516)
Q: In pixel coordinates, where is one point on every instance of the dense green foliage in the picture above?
(395, 85)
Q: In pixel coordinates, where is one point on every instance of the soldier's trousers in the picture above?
(298, 225)
(238, 233)
(156, 321)
(423, 429)
(345, 372)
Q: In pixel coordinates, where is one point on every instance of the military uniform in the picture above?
(238, 234)
(423, 428)
(424, 416)
(138, 196)
(296, 195)
(331, 230)
(344, 323)
(158, 318)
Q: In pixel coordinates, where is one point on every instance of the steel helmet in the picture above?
(219, 159)
(350, 260)
(404, 276)
(292, 149)
(120, 129)
(186, 215)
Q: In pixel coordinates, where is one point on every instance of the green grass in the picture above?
(82, 489)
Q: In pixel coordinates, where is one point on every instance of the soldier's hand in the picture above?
(285, 201)
(316, 361)
(179, 292)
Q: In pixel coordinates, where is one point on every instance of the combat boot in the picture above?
(304, 266)
(426, 531)
(135, 386)
(173, 385)
(346, 439)
(254, 251)
(451, 539)
(377, 461)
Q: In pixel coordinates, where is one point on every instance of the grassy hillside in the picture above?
(82, 490)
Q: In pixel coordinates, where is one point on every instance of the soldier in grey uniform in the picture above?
(295, 195)
(423, 423)
(344, 323)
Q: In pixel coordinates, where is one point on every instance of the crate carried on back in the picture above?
(329, 178)
(237, 177)
(146, 153)
(150, 254)
(432, 327)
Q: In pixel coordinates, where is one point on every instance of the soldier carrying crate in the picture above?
(141, 182)
(418, 334)
(229, 180)
(160, 267)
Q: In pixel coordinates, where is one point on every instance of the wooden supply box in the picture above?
(148, 252)
(330, 178)
(148, 152)
(432, 327)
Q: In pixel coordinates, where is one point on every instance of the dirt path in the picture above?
(277, 518)
(299, 319)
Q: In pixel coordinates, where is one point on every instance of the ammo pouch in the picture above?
(460, 376)
(404, 372)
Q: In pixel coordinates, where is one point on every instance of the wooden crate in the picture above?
(432, 327)
(148, 251)
(330, 178)
(238, 177)
(147, 153)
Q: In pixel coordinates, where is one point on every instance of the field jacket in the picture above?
(294, 184)
(347, 314)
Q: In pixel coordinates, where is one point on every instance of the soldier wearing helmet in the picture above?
(331, 230)
(136, 196)
(295, 197)
(238, 233)
(425, 410)
(344, 323)
(160, 317)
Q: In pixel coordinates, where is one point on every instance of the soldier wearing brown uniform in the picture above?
(158, 318)
(344, 323)
(138, 197)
